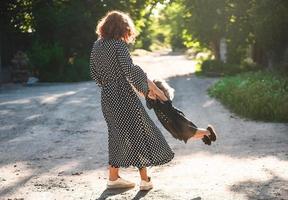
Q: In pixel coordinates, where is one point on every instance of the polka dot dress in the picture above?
(133, 138)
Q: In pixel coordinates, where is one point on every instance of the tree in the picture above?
(63, 29)
(206, 21)
(172, 22)
(269, 20)
(15, 17)
(260, 24)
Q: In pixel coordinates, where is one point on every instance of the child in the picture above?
(174, 120)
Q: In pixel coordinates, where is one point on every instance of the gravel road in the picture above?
(53, 144)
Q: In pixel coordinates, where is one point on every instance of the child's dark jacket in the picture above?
(172, 119)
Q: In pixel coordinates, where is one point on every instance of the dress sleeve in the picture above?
(93, 73)
(133, 73)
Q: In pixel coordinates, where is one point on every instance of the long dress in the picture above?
(133, 138)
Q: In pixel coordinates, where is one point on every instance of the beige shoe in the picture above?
(146, 185)
(119, 183)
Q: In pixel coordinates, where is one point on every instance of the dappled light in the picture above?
(64, 156)
(227, 62)
(52, 99)
(208, 103)
(269, 188)
(167, 66)
(32, 117)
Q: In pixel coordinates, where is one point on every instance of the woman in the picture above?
(133, 138)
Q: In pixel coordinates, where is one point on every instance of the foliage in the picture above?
(47, 61)
(258, 26)
(49, 64)
(256, 95)
(251, 28)
(172, 19)
(206, 20)
(78, 70)
(141, 12)
(65, 26)
(270, 21)
(219, 68)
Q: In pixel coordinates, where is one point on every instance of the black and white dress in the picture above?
(133, 138)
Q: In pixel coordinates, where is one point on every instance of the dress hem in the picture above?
(162, 162)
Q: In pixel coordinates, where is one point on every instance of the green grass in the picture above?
(255, 95)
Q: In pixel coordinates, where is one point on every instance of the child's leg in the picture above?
(200, 133)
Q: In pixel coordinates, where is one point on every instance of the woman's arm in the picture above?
(133, 73)
(151, 94)
(136, 76)
(93, 72)
(154, 91)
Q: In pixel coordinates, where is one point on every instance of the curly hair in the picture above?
(117, 25)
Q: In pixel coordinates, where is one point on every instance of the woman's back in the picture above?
(104, 60)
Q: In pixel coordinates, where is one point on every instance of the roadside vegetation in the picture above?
(245, 43)
(240, 39)
(261, 95)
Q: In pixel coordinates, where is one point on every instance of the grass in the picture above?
(255, 95)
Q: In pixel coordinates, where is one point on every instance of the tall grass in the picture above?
(256, 95)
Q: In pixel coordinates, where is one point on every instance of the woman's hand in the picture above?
(152, 95)
(160, 95)
(156, 92)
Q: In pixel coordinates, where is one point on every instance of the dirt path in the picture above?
(53, 145)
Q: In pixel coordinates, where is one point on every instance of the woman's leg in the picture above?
(146, 183)
(113, 173)
(143, 173)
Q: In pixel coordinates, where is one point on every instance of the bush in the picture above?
(77, 71)
(212, 66)
(219, 68)
(177, 43)
(50, 64)
(256, 95)
(47, 60)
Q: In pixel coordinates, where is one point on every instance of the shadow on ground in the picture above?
(67, 127)
(112, 192)
(269, 189)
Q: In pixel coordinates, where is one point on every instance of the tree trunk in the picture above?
(258, 55)
(215, 45)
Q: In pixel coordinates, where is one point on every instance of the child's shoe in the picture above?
(213, 134)
(206, 140)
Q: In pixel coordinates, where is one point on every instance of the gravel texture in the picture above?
(53, 144)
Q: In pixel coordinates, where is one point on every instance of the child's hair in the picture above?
(166, 89)
(117, 25)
